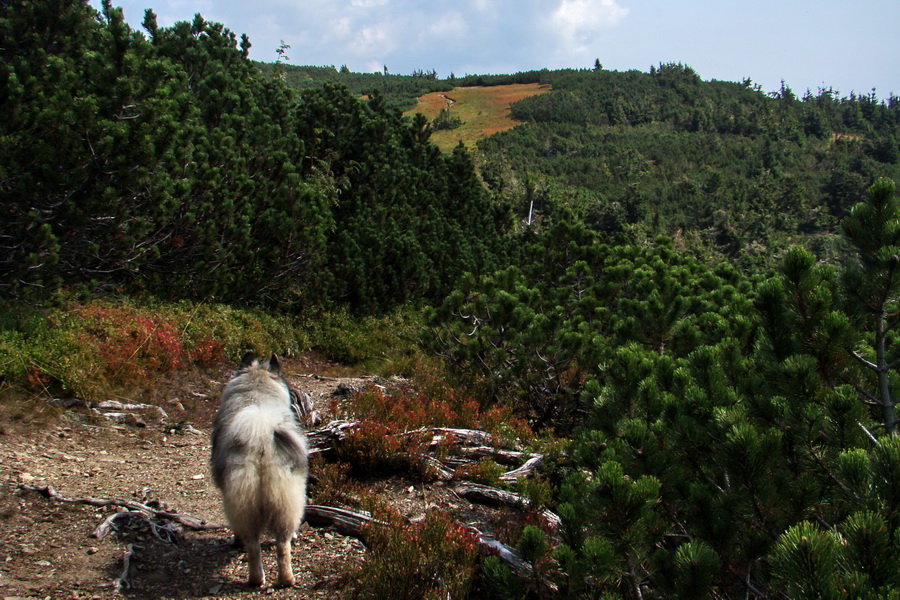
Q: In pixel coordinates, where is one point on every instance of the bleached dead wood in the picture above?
(345, 522)
(499, 455)
(324, 439)
(121, 584)
(355, 524)
(434, 467)
(183, 519)
(458, 437)
(484, 494)
(165, 533)
(115, 405)
(527, 470)
(467, 444)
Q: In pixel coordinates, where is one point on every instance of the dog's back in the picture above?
(259, 459)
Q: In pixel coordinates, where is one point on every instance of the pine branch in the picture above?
(868, 433)
(865, 362)
(893, 365)
(872, 400)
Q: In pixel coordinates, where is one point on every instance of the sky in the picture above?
(808, 44)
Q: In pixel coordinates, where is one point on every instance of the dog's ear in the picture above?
(274, 365)
(248, 360)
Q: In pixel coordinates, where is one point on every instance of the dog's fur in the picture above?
(260, 463)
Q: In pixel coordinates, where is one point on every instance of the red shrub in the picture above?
(130, 344)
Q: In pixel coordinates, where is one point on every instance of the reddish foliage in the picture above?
(373, 446)
(37, 379)
(435, 558)
(405, 409)
(208, 352)
(131, 344)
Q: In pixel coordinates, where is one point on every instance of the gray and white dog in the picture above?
(260, 463)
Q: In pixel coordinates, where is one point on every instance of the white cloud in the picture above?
(368, 3)
(373, 39)
(449, 25)
(581, 20)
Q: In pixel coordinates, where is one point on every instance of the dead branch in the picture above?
(122, 582)
(434, 467)
(325, 438)
(498, 455)
(527, 470)
(472, 445)
(119, 406)
(345, 522)
(484, 494)
(354, 524)
(167, 534)
(183, 519)
(461, 437)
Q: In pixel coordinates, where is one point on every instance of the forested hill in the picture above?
(723, 166)
(166, 162)
(726, 168)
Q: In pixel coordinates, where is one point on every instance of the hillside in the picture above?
(657, 319)
(733, 172)
(481, 111)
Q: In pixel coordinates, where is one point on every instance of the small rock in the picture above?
(198, 476)
(26, 477)
(93, 550)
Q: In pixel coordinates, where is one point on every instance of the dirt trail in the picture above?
(45, 548)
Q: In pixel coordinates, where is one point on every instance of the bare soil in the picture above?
(46, 548)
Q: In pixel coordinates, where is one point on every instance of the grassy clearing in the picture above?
(484, 111)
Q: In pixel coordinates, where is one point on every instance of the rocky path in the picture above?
(160, 458)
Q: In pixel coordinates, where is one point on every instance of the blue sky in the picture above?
(848, 46)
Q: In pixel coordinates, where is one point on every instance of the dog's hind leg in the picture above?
(257, 576)
(283, 554)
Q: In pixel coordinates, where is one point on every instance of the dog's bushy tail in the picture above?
(264, 482)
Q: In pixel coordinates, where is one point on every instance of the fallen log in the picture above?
(460, 437)
(433, 467)
(527, 470)
(498, 455)
(483, 494)
(323, 440)
(473, 445)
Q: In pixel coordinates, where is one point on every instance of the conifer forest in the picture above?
(688, 289)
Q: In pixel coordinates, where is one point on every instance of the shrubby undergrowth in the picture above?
(729, 435)
(90, 348)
